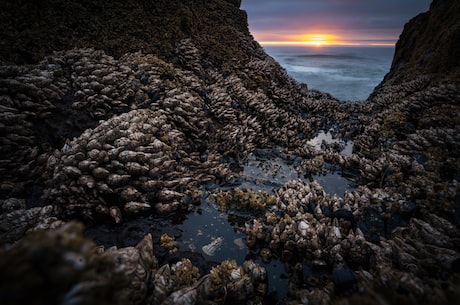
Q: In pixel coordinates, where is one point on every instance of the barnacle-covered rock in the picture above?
(137, 175)
(239, 282)
(71, 264)
(16, 219)
(244, 199)
(198, 292)
(183, 273)
(318, 230)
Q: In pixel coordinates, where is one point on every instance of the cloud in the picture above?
(349, 18)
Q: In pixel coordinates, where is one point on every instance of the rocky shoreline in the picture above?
(107, 134)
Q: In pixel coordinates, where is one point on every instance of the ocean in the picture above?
(348, 73)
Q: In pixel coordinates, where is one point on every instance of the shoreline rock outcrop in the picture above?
(428, 45)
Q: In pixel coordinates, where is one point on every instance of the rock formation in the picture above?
(114, 110)
(32, 30)
(428, 45)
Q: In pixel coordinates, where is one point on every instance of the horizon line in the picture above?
(326, 44)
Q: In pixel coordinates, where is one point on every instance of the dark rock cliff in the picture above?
(429, 44)
(34, 29)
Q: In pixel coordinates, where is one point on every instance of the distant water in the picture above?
(346, 72)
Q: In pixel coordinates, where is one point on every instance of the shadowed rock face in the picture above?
(64, 261)
(429, 44)
(34, 29)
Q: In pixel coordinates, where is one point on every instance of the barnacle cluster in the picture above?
(243, 199)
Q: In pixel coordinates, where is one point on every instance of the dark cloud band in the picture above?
(351, 19)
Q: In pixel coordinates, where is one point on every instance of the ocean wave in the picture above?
(326, 73)
(331, 56)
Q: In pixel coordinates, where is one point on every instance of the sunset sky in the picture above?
(323, 22)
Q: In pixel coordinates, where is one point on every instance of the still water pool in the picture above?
(265, 170)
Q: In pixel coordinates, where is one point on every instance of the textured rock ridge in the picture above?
(33, 29)
(429, 44)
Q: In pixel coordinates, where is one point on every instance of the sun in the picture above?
(318, 40)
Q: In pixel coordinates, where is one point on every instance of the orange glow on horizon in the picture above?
(345, 43)
(319, 40)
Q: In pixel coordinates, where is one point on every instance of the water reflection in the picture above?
(267, 169)
(326, 137)
(334, 183)
(207, 223)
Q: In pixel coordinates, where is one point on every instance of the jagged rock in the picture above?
(426, 46)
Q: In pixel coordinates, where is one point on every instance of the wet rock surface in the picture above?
(131, 143)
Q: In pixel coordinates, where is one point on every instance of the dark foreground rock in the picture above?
(144, 105)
